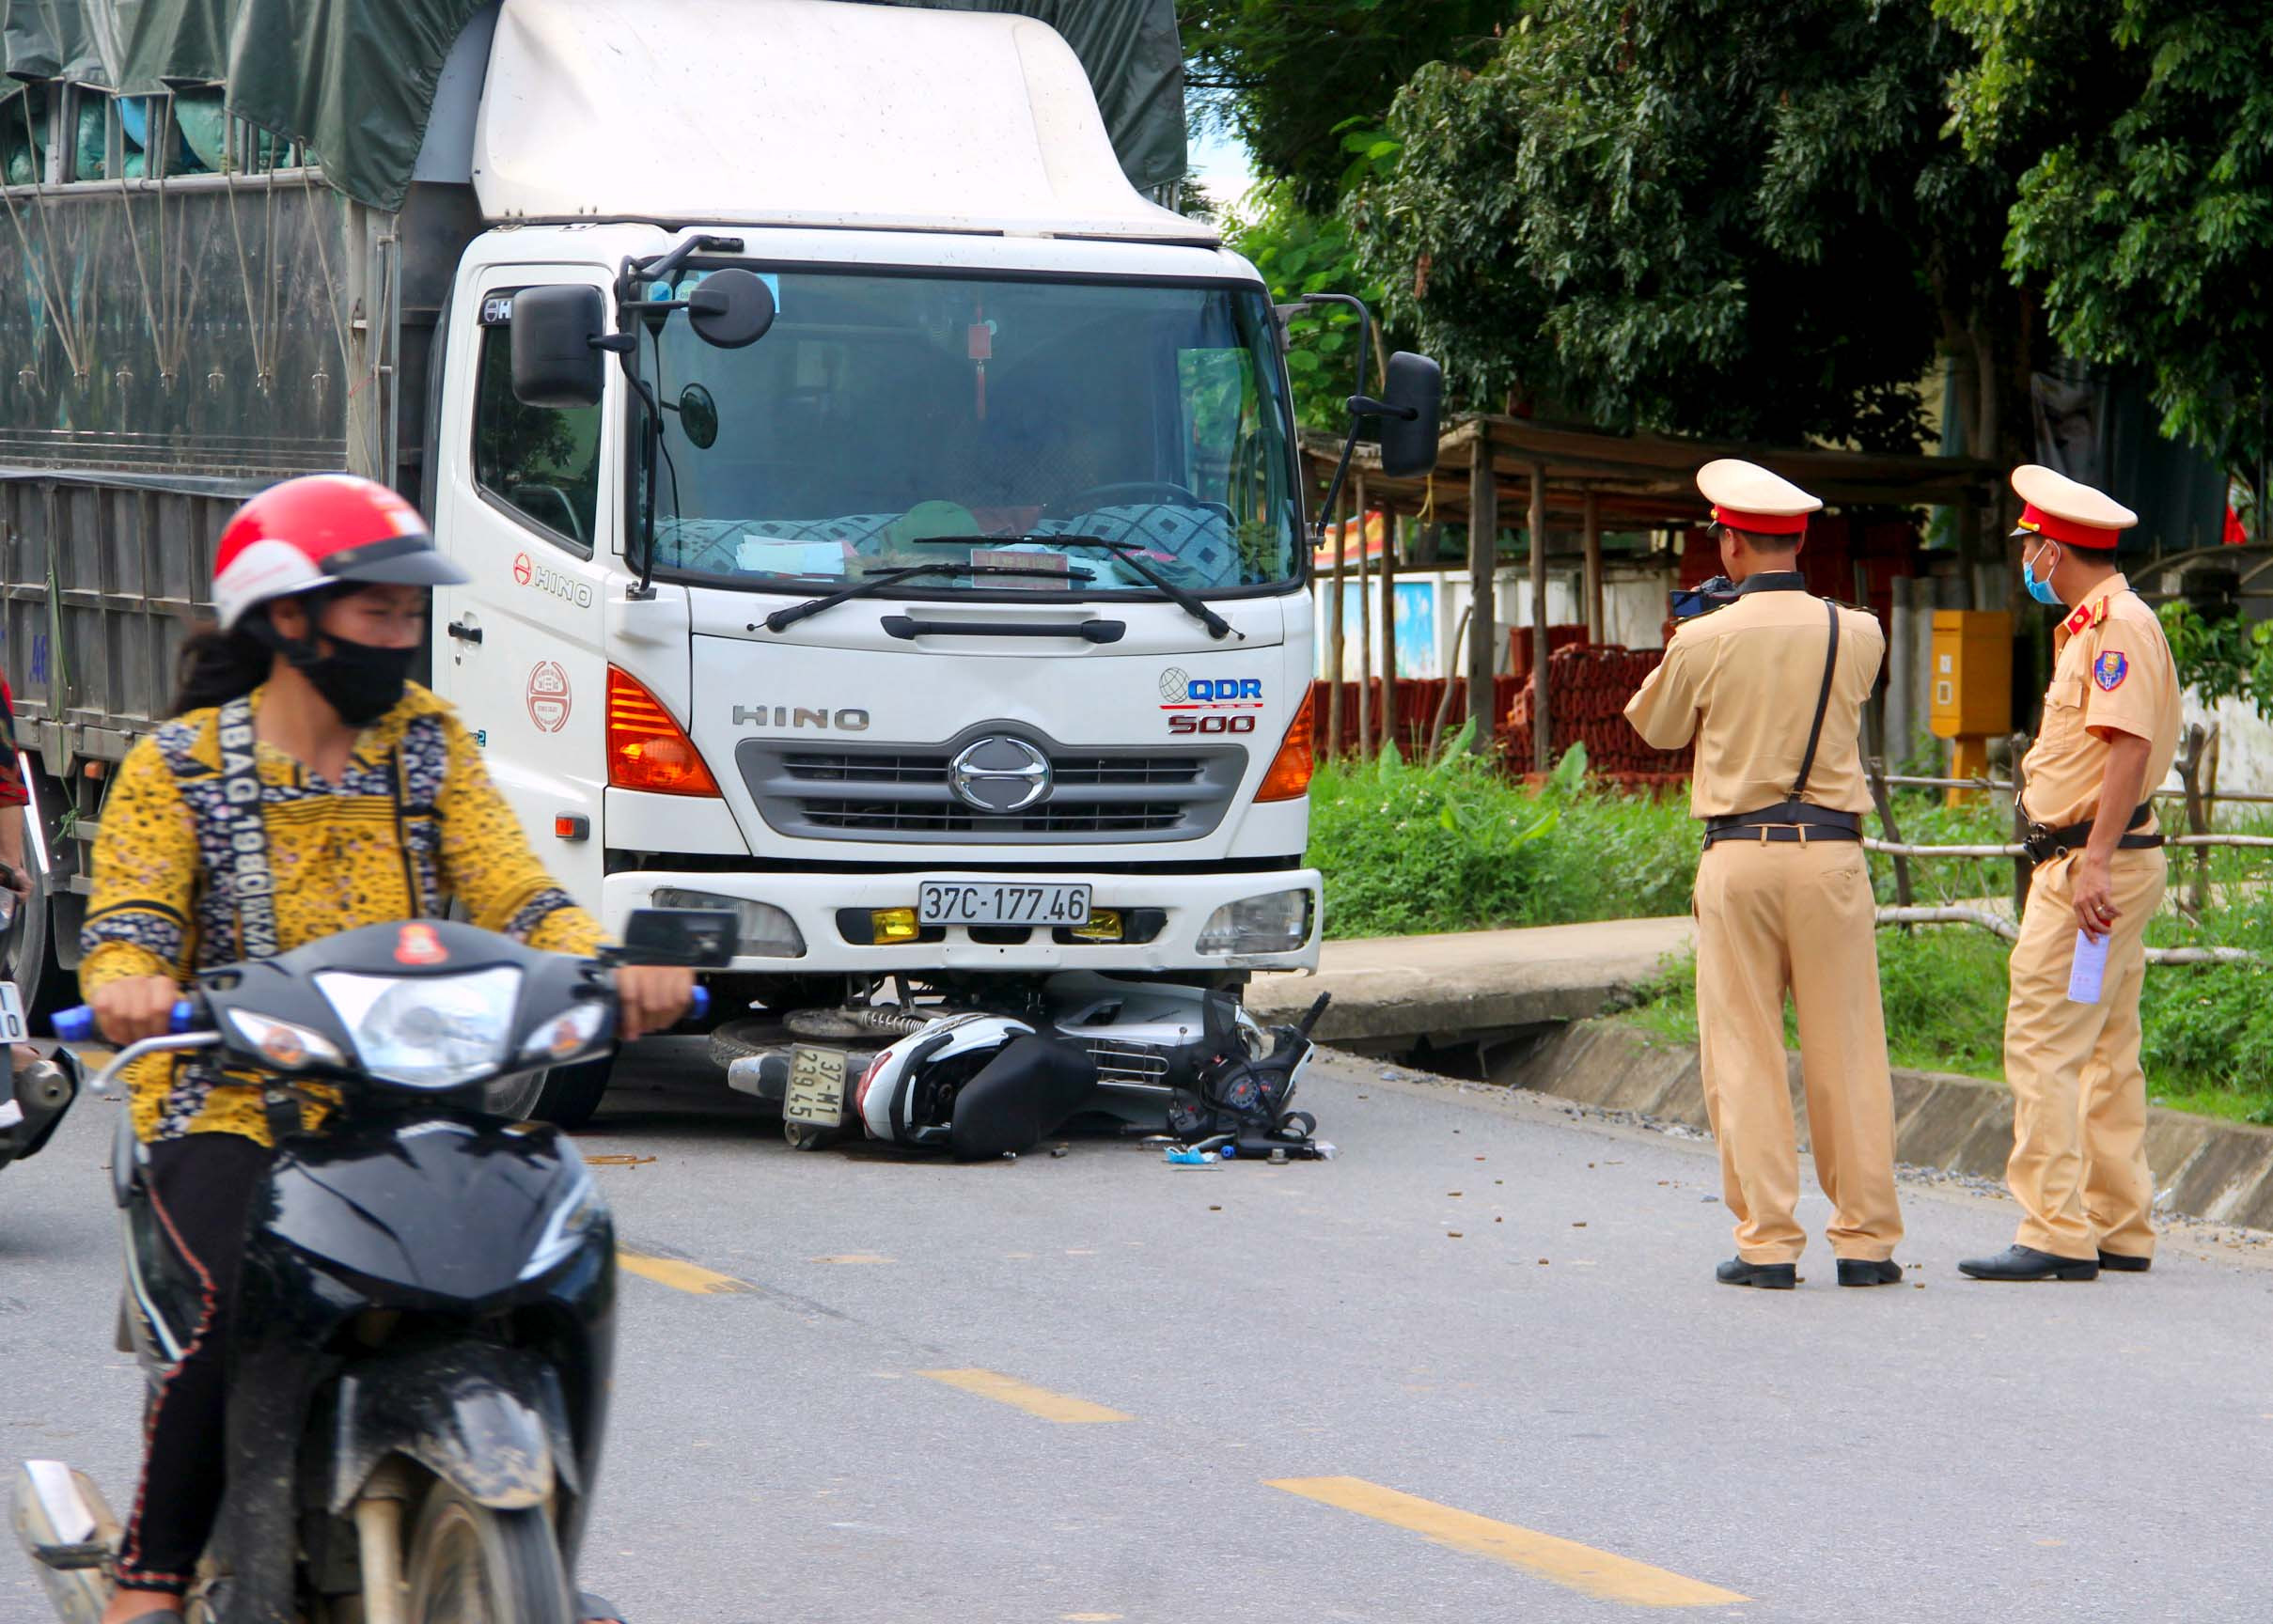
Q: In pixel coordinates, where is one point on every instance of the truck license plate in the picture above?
(957, 902)
(816, 1091)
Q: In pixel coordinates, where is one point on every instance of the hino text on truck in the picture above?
(884, 522)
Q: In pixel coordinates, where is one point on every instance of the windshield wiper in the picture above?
(782, 619)
(1123, 552)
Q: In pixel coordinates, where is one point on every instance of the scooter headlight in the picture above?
(426, 1031)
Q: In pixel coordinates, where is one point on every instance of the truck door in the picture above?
(526, 502)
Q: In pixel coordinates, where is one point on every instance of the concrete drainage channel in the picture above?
(1542, 1035)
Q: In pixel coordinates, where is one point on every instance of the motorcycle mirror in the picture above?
(691, 938)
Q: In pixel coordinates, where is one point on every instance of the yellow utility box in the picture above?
(1969, 687)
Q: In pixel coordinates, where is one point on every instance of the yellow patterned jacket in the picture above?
(413, 822)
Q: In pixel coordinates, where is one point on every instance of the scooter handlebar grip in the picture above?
(189, 1014)
(75, 1024)
(701, 1005)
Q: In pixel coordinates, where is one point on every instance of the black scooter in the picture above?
(425, 1320)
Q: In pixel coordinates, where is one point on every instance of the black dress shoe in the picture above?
(1865, 1272)
(2118, 1263)
(1767, 1277)
(2027, 1263)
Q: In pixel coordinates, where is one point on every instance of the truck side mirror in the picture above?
(696, 938)
(731, 308)
(556, 365)
(1414, 392)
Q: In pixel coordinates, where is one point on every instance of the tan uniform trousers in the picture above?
(1772, 916)
(2080, 1099)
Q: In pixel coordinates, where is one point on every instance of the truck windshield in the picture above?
(885, 419)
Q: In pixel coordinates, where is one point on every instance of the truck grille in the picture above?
(844, 791)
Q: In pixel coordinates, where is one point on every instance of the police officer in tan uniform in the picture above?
(2111, 728)
(1771, 687)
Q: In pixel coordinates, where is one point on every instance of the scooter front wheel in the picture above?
(471, 1564)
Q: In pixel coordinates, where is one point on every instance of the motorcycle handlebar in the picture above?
(76, 1024)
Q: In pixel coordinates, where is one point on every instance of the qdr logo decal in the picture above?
(1209, 704)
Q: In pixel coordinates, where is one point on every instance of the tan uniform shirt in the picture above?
(1742, 681)
(2111, 673)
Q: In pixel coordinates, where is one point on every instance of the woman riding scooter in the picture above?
(372, 806)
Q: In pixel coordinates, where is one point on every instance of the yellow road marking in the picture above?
(680, 1275)
(1023, 1396)
(1576, 1567)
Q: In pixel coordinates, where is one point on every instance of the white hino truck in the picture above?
(884, 521)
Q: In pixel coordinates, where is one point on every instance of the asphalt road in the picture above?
(1476, 1369)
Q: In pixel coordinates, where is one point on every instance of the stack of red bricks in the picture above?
(1588, 688)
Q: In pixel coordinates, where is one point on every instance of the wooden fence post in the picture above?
(1365, 634)
(1387, 620)
(1334, 667)
(2189, 774)
(1484, 561)
(1885, 802)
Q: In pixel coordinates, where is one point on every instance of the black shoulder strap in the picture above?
(252, 882)
(1823, 701)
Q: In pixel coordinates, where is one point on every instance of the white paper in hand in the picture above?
(2087, 969)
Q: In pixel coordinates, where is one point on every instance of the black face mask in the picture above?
(360, 682)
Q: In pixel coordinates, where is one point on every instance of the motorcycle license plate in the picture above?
(12, 1029)
(960, 902)
(816, 1091)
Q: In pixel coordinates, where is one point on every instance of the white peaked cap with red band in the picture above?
(1746, 496)
(2064, 509)
(322, 530)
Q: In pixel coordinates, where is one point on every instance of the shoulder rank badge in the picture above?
(2109, 670)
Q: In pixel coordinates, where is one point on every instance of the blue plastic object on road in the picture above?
(1181, 1158)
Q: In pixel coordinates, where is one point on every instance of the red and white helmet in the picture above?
(319, 530)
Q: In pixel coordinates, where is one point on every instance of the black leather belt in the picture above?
(2046, 843)
(1787, 820)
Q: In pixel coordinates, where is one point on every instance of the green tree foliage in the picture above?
(1301, 252)
(1286, 74)
(2145, 208)
(1733, 217)
(2224, 659)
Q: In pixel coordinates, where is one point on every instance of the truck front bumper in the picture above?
(1172, 910)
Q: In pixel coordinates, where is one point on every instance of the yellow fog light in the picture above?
(1104, 926)
(894, 925)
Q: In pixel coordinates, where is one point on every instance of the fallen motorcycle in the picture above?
(426, 1307)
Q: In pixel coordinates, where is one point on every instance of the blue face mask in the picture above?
(2040, 590)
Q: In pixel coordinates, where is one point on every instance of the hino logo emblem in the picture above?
(999, 775)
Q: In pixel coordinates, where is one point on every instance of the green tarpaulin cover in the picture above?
(354, 79)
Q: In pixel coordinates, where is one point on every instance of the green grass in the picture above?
(2208, 1043)
(1455, 845)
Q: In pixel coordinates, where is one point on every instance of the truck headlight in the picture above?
(1276, 922)
(764, 931)
(425, 1031)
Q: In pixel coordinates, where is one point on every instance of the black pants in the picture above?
(201, 1187)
